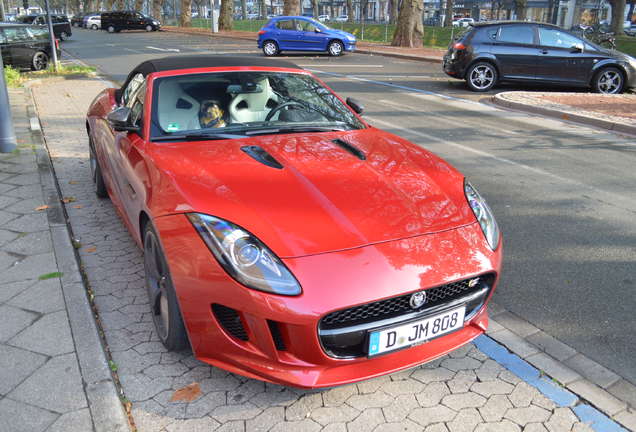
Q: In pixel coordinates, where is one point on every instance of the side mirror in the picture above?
(119, 119)
(577, 48)
(355, 105)
(318, 30)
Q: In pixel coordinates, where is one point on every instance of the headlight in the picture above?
(245, 257)
(155, 22)
(483, 214)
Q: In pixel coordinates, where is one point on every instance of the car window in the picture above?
(16, 34)
(136, 105)
(306, 26)
(130, 90)
(2, 38)
(490, 33)
(41, 33)
(518, 34)
(286, 25)
(556, 38)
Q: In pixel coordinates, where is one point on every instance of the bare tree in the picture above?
(618, 14)
(244, 9)
(225, 19)
(350, 11)
(314, 8)
(262, 9)
(291, 7)
(119, 5)
(521, 9)
(409, 29)
(395, 7)
(139, 4)
(448, 19)
(157, 9)
(186, 13)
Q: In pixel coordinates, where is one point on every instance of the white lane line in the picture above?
(134, 50)
(342, 65)
(500, 159)
(401, 108)
(164, 49)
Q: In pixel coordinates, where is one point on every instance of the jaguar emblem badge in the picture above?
(417, 299)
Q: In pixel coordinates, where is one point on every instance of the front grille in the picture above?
(343, 333)
(395, 306)
(230, 320)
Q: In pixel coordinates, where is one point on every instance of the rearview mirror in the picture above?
(355, 105)
(577, 48)
(119, 119)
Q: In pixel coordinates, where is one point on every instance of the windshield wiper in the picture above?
(197, 137)
(293, 129)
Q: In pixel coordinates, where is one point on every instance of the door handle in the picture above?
(544, 51)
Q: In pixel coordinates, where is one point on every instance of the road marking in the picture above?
(164, 49)
(343, 65)
(134, 50)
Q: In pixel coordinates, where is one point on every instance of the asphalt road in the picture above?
(563, 194)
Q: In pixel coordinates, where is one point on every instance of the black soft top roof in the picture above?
(203, 61)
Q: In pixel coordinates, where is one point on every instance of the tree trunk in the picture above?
(262, 9)
(157, 9)
(291, 7)
(618, 14)
(350, 12)
(139, 4)
(395, 5)
(448, 19)
(364, 4)
(314, 8)
(520, 9)
(185, 20)
(244, 9)
(225, 18)
(409, 29)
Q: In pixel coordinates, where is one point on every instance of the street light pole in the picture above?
(7, 134)
(51, 34)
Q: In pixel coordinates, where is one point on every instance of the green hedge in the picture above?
(626, 44)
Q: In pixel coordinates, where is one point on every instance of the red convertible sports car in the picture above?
(284, 238)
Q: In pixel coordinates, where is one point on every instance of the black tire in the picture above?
(335, 48)
(63, 36)
(166, 314)
(270, 48)
(94, 27)
(96, 172)
(609, 80)
(481, 77)
(149, 28)
(111, 29)
(40, 61)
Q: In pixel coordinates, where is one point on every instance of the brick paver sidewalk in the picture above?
(466, 390)
(51, 375)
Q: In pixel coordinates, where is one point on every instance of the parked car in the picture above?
(253, 16)
(26, 46)
(432, 21)
(128, 20)
(342, 18)
(298, 33)
(61, 24)
(323, 18)
(242, 179)
(538, 53)
(77, 20)
(9, 17)
(463, 22)
(631, 31)
(94, 22)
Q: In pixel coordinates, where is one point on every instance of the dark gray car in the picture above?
(25, 47)
(489, 53)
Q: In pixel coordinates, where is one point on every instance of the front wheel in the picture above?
(40, 61)
(111, 29)
(63, 36)
(94, 27)
(96, 172)
(335, 48)
(481, 77)
(149, 28)
(163, 298)
(270, 48)
(609, 81)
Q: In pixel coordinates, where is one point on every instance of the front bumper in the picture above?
(276, 338)
(350, 46)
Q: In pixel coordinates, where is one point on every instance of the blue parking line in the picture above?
(560, 396)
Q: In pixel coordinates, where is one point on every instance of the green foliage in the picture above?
(12, 76)
(15, 78)
(626, 44)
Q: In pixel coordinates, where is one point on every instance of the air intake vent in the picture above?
(350, 148)
(230, 320)
(276, 335)
(261, 155)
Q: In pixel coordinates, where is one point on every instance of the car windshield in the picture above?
(245, 103)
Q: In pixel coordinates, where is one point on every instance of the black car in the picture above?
(61, 24)
(488, 53)
(25, 47)
(128, 20)
(78, 20)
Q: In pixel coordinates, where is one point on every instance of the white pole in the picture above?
(215, 17)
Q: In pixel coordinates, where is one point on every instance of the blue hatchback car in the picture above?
(299, 33)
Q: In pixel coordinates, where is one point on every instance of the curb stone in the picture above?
(500, 99)
(103, 402)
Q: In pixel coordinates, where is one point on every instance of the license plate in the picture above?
(415, 332)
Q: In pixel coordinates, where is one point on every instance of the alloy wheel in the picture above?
(63, 36)
(270, 48)
(610, 81)
(157, 285)
(40, 61)
(148, 28)
(335, 48)
(482, 77)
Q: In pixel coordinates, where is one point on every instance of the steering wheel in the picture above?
(288, 104)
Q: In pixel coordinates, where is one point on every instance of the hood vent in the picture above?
(350, 148)
(261, 155)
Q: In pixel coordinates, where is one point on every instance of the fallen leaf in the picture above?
(73, 182)
(90, 249)
(78, 206)
(42, 207)
(68, 200)
(187, 393)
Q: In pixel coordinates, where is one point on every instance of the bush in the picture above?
(12, 76)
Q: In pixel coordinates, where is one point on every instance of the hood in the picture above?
(341, 33)
(324, 198)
